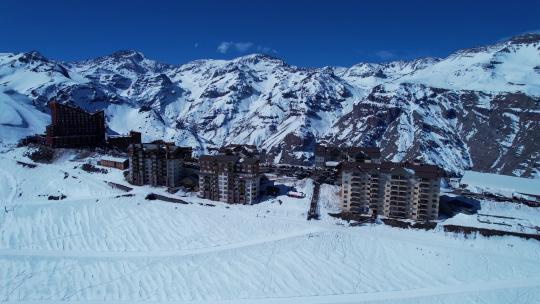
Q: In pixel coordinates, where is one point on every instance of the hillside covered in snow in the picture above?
(476, 109)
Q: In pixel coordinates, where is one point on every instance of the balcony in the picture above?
(397, 214)
(394, 202)
(398, 208)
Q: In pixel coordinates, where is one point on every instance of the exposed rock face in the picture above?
(460, 129)
(479, 108)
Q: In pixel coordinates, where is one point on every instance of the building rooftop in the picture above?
(242, 150)
(163, 147)
(219, 158)
(420, 170)
(113, 158)
(249, 160)
(229, 158)
(370, 152)
(74, 107)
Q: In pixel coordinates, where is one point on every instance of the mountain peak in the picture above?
(525, 38)
(32, 56)
(138, 56)
(257, 57)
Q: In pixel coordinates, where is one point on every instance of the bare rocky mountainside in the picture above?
(478, 108)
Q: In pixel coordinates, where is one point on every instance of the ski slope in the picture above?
(19, 118)
(100, 246)
(500, 184)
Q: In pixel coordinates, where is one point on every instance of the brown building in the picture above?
(248, 151)
(324, 154)
(72, 127)
(114, 162)
(122, 142)
(399, 190)
(156, 164)
(229, 178)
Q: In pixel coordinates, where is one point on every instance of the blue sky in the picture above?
(304, 33)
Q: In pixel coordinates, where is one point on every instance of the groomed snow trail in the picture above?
(123, 255)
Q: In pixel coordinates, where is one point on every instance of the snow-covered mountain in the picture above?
(478, 108)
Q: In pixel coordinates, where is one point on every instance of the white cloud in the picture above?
(385, 54)
(241, 47)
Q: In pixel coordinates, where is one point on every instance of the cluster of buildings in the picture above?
(232, 175)
(369, 186)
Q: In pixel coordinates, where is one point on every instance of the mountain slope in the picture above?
(477, 108)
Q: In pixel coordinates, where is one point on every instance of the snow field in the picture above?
(19, 118)
(502, 184)
(97, 246)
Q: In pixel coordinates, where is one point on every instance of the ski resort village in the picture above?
(124, 180)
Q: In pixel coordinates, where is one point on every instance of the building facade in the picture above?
(398, 190)
(122, 142)
(72, 127)
(114, 162)
(156, 164)
(229, 178)
(324, 154)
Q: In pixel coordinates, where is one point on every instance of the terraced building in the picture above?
(158, 163)
(229, 178)
(73, 127)
(398, 190)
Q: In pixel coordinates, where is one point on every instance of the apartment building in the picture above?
(398, 190)
(229, 178)
(72, 127)
(325, 154)
(157, 164)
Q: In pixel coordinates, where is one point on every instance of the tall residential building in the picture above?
(157, 164)
(229, 178)
(325, 154)
(72, 127)
(399, 190)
